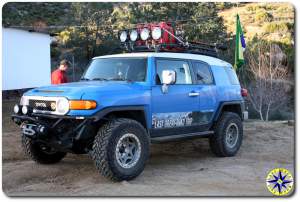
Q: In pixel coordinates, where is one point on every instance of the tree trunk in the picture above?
(267, 113)
(261, 115)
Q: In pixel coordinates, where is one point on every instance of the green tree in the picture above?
(29, 13)
(90, 28)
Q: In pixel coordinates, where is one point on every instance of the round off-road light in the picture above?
(133, 35)
(156, 33)
(145, 34)
(16, 109)
(24, 109)
(123, 36)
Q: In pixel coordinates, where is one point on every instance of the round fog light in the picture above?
(24, 109)
(16, 109)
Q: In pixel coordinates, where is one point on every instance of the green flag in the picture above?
(240, 45)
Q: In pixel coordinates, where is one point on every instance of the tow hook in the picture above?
(33, 130)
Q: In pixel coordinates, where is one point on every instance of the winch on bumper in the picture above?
(34, 131)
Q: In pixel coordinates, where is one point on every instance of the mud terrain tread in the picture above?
(99, 153)
(100, 148)
(32, 152)
(216, 141)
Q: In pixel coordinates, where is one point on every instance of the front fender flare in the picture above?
(103, 112)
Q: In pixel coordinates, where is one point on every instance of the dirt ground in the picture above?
(185, 168)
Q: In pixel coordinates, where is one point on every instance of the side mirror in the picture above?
(168, 78)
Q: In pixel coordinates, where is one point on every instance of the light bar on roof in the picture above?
(123, 36)
(156, 33)
(145, 34)
(133, 35)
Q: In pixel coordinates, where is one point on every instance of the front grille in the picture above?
(43, 105)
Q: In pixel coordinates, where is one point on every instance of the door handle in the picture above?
(193, 94)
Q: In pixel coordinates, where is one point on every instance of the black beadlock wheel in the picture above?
(228, 136)
(121, 149)
(41, 153)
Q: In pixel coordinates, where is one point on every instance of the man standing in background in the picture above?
(59, 75)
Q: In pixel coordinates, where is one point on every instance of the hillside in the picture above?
(270, 21)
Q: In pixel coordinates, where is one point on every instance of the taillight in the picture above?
(244, 92)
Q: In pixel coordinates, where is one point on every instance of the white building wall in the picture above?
(25, 59)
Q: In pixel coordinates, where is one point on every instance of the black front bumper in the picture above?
(36, 119)
(45, 127)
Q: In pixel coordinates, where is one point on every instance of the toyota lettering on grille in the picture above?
(40, 104)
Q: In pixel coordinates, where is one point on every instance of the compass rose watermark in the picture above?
(280, 181)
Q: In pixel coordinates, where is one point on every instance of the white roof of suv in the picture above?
(204, 58)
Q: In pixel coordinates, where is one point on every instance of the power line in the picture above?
(115, 25)
(131, 26)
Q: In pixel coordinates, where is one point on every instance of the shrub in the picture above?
(276, 27)
(269, 6)
(252, 7)
(262, 16)
(285, 9)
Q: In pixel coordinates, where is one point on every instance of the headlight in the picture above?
(62, 106)
(123, 36)
(145, 34)
(133, 35)
(156, 33)
(24, 101)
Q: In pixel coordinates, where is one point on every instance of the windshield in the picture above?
(117, 69)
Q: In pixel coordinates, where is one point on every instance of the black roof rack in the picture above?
(193, 48)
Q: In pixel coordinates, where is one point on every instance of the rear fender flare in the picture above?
(223, 104)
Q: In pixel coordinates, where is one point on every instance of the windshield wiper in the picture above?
(117, 79)
(84, 79)
(120, 79)
(94, 79)
(104, 79)
(99, 79)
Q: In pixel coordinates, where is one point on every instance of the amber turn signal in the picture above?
(82, 104)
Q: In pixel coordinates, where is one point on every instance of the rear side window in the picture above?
(202, 73)
(181, 67)
(232, 76)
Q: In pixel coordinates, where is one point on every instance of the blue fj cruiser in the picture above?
(125, 101)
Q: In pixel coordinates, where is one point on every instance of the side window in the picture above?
(182, 69)
(232, 76)
(202, 73)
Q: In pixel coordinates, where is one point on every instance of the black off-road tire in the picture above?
(33, 150)
(104, 149)
(218, 140)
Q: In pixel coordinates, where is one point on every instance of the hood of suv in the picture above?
(77, 89)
